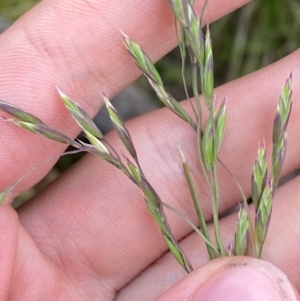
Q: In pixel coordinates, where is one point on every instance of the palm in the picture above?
(88, 235)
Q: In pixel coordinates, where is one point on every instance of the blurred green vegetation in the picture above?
(244, 41)
(13, 9)
(255, 36)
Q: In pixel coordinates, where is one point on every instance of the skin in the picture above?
(88, 236)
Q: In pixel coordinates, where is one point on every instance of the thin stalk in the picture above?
(189, 222)
(4, 193)
(154, 204)
(215, 206)
(197, 205)
(194, 70)
(238, 185)
(182, 48)
(202, 12)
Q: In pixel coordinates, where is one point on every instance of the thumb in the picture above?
(233, 278)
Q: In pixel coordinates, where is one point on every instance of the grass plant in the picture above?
(195, 46)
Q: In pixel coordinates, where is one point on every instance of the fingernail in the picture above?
(239, 283)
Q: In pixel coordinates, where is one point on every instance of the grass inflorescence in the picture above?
(195, 46)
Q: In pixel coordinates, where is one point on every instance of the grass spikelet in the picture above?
(208, 72)
(149, 70)
(279, 129)
(208, 149)
(242, 233)
(141, 59)
(259, 175)
(179, 12)
(44, 130)
(18, 113)
(193, 32)
(96, 142)
(213, 135)
(80, 116)
(263, 216)
(197, 205)
(155, 207)
(220, 121)
(120, 128)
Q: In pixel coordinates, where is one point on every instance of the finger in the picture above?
(115, 222)
(233, 278)
(25, 272)
(77, 46)
(8, 247)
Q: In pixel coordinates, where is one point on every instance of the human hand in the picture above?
(88, 236)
